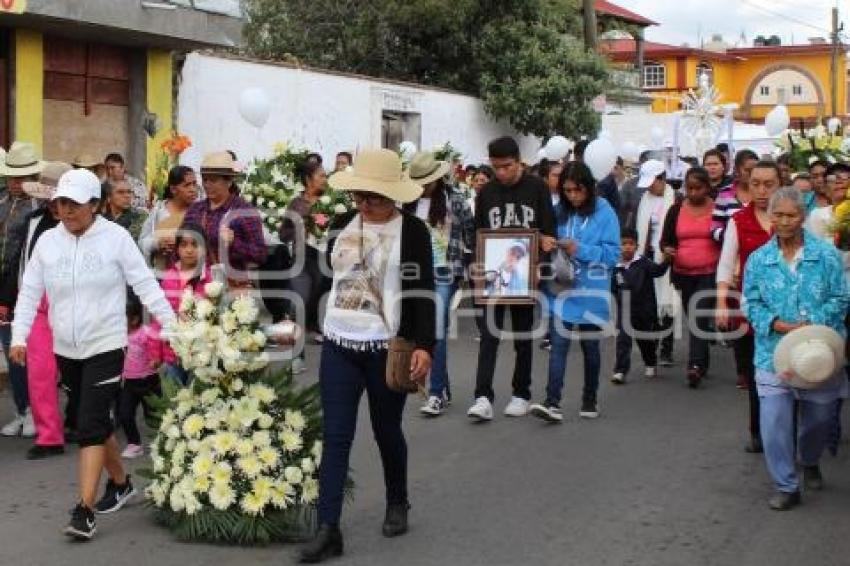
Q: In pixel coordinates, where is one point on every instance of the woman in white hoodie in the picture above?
(84, 265)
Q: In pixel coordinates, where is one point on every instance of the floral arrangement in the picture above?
(322, 214)
(237, 452)
(169, 156)
(271, 184)
(446, 152)
(806, 146)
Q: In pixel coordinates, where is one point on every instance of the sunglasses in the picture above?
(370, 199)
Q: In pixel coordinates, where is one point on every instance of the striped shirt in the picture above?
(725, 206)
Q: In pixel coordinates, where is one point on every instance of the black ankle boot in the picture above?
(395, 521)
(327, 544)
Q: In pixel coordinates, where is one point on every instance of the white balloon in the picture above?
(541, 154)
(833, 124)
(557, 148)
(657, 137)
(604, 134)
(600, 156)
(255, 106)
(777, 120)
(407, 149)
(629, 150)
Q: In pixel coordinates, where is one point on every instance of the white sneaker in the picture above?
(434, 407)
(482, 410)
(518, 407)
(14, 427)
(650, 372)
(618, 378)
(298, 366)
(133, 451)
(28, 428)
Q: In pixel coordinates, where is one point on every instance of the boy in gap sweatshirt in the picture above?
(633, 287)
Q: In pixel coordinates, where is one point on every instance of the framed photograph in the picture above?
(505, 269)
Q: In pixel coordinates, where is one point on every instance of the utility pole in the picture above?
(833, 68)
(589, 13)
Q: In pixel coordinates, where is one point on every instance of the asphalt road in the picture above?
(660, 479)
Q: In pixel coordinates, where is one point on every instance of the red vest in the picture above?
(751, 236)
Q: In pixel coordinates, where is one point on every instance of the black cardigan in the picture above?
(418, 312)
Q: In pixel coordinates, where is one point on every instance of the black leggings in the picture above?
(98, 380)
(134, 392)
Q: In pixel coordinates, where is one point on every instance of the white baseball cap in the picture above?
(649, 171)
(79, 185)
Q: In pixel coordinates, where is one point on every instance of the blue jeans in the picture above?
(445, 288)
(343, 375)
(17, 374)
(560, 340)
(777, 434)
(177, 374)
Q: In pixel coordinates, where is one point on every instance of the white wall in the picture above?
(324, 112)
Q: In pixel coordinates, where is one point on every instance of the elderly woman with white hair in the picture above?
(794, 281)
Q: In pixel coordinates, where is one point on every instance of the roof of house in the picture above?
(771, 50)
(611, 9)
(624, 50)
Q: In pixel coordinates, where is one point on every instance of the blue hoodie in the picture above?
(598, 237)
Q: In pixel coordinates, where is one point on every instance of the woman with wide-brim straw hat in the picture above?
(372, 300)
(41, 363)
(232, 227)
(793, 281)
(21, 165)
(449, 218)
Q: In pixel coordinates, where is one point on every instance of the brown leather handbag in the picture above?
(399, 355)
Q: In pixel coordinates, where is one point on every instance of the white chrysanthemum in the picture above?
(176, 500)
(283, 494)
(308, 466)
(309, 491)
(222, 496)
(223, 442)
(260, 338)
(213, 289)
(201, 485)
(245, 310)
(172, 432)
(265, 421)
(262, 487)
(167, 420)
(210, 396)
(202, 465)
(251, 504)
(262, 393)
(204, 308)
(262, 438)
(291, 440)
(193, 505)
(158, 464)
(340, 209)
(316, 452)
(260, 361)
(250, 466)
(157, 493)
(193, 426)
(293, 475)
(295, 420)
(269, 457)
(325, 200)
(222, 472)
(187, 301)
(237, 385)
(178, 455)
(229, 323)
(244, 447)
(169, 444)
(184, 394)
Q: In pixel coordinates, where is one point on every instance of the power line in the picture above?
(784, 16)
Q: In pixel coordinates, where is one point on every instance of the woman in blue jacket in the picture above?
(589, 233)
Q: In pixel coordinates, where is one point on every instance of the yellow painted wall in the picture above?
(29, 87)
(733, 79)
(159, 101)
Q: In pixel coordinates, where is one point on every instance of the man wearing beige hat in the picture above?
(41, 367)
(22, 164)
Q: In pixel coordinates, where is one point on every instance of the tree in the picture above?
(524, 58)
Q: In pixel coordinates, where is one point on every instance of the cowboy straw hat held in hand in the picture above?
(22, 160)
(377, 171)
(810, 355)
(424, 168)
(48, 180)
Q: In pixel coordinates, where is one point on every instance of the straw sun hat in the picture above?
(425, 168)
(811, 355)
(378, 171)
(22, 160)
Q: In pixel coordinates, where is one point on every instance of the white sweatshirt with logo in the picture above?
(86, 280)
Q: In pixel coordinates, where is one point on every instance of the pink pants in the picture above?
(42, 377)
